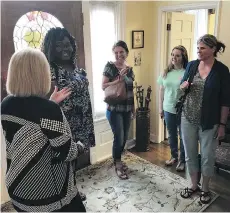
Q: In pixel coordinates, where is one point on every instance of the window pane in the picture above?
(31, 29)
(103, 36)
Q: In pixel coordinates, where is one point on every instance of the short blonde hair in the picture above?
(28, 74)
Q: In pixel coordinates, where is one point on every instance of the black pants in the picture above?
(75, 205)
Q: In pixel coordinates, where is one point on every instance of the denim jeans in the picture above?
(120, 123)
(172, 127)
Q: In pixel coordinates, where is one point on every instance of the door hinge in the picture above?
(168, 27)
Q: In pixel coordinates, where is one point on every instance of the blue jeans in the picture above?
(172, 127)
(120, 123)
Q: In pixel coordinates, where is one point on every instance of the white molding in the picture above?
(218, 6)
(87, 48)
(195, 6)
(153, 138)
(130, 143)
(121, 17)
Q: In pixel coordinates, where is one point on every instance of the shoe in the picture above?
(171, 162)
(205, 197)
(180, 166)
(188, 192)
(83, 196)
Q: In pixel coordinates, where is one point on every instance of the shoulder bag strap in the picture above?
(193, 71)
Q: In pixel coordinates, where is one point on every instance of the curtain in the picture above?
(103, 27)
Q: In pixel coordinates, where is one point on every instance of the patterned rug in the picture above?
(149, 188)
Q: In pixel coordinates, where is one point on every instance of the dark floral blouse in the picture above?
(77, 107)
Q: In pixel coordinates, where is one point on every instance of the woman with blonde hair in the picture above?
(39, 143)
(204, 113)
(169, 93)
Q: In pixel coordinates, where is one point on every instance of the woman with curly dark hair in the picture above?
(60, 50)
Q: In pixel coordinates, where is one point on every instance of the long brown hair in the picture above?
(184, 54)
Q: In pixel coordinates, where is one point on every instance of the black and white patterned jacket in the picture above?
(39, 150)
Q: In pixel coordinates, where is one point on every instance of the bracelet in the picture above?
(222, 124)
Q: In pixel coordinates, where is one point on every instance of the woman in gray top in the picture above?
(205, 112)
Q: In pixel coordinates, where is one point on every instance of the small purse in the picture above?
(116, 93)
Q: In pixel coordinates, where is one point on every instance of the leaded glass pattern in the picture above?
(31, 29)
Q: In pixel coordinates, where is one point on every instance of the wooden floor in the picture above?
(220, 183)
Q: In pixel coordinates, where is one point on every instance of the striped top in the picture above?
(39, 150)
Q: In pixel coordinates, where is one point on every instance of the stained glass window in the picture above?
(31, 29)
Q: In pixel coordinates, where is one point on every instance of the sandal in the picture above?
(125, 167)
(205, 197)
(188, 192)
(83, 196)
(121, 173)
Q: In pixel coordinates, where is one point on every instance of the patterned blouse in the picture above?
(193, 102)
(77, 107)
(112, 72)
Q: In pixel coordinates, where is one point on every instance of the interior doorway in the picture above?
(182, 25)
(188, 27)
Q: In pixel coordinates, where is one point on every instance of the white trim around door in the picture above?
(161, 48)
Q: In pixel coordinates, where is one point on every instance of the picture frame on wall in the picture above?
(137, 39)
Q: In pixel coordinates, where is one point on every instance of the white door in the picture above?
(182, 32)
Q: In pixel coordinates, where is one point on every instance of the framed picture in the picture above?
(137, 58)
(137, 39)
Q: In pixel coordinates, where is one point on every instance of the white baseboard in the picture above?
(153, 138)
(130, 143)
(104, 158)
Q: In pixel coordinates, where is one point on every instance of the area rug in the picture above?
(149, 188)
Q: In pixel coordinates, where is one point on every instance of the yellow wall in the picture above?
(139, 16)
(143, 15)
(211, 23)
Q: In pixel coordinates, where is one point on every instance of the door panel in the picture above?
(182, 32)
(69, 13)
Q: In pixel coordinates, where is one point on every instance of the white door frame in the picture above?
(161, 47)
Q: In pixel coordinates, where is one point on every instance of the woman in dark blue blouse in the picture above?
(205, 112)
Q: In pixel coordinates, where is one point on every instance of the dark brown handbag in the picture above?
(116, 93)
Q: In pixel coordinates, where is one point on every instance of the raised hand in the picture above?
(59, 96)
(124, 71)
